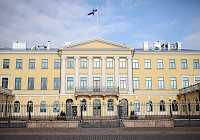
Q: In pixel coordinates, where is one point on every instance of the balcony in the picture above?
(189, 89)
(90, 91)
(5, 91)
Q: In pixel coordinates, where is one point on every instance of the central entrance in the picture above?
(69, 104)
(97, 107)
(96, 84)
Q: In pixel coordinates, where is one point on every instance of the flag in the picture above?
(92, 13)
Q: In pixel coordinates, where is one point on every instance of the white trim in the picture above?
(165, 53)
(195, 76)
(35, 95)
(55, 113)
(43, 113)
(183, 76)
(72, 75)
(27, 113)
(123, 75)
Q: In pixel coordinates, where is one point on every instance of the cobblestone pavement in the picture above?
(178, 133)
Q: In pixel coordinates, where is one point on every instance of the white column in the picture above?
(116, 71)
(63, 74)
(90, 71)
(76, 71)
(103, 73)
(130, 77)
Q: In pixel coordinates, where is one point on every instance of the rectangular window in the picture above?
(96, 63)
(17, 83)
(56, 83)
(135, 83)
(56, 63)
(4, 82)
(83, 63)
(185, 82)
(197, 80)
(147, 63)
(122, 63)
(69, 83)
(19, 64)
(172, 63)
(109, 63)
(83, 83)
(148, 83)
(160, 64)
(44, 63)
(70, 63)
(6, 63)
(109, 82)
(43, 83)
(173, 83)
(30, 83)
(196, 63)
(160, 83)
(184, 63)
(31, 63)
(122, 83)
(135, 64)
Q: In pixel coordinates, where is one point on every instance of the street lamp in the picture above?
(170, 107)
(81, 109)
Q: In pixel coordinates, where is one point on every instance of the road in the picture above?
(178, 133)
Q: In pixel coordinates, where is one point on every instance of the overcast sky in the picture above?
(124, 21)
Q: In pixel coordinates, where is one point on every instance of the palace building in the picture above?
(99, 74)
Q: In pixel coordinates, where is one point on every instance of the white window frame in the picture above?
(108, 63)
(135, 63)
(5, 76)
(185, 76)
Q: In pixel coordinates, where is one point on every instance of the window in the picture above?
(6, 63)
(43, 83)
(135, 64)
(136, 106)
(122, 63)
(29, 106)
(69, 83)
(83, 82)
(160, 64)
(16, 107)
(162, 105)
(147, 63)
(110, 105)
(8, 106)
(172, 63)
(56, 63)
(2, 105)
(174, 105)
(17, 83)
(122, 83)
(109, 82)
(173, 83)
(183, 105)
(56, 83)
(83, 63)
(149, 106)
(110, 63)
(148, 83)
(84, 102)
(70, 63)
(160, 83)
(43, 107)
(44, 63)
(184, 63)
(197, 80)
(185, 82)
(19, 64)
(5, 82)
(31, 63)
(55, 106)
(96, 63)
(196, 63)
(197, 104)
(30, 83)
(135, 83)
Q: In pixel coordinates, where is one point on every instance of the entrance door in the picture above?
(97, 107)
(5, 82)
(96, 84)
(124, 104)
(69, 104)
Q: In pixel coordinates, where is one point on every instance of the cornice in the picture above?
(28, 52)
(166, 53)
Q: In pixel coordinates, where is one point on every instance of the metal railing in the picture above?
(97, 89)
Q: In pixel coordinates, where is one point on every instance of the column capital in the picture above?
(103, 57)
(63, 57)
(77, 57)
(89, 57)
(129, 57)
(116, 57)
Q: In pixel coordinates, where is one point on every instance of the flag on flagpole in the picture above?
(92, 13)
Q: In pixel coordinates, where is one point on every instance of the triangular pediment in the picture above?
(97, 44)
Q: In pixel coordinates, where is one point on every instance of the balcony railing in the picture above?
(97, 89)
(191, 88)
(5, 91)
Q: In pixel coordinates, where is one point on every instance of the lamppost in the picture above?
(170, 107)
(189, 108)
(29, 111)
(81, 109)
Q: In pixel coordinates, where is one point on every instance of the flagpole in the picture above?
(97, 21)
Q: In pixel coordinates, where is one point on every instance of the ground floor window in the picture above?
(55, 106)
(43, 107)
(30, 106)
(110, 105)
(149, 106)
(16, 107)
(137, 106)
(162, 105)
(174, 105)
(197, 104)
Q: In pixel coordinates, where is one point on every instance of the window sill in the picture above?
(109, 68)
(18, 68)
(172, 68)
(57, 68)
(96, 68)
(83, 68)
(6, 68)
(122, 68)
(31, 68)
(44, 68)
(147, 68)
(160, 68)
(136, 68)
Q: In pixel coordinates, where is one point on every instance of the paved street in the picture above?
(182, 133)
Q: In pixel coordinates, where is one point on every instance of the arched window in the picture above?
(43, 107)
(110, 105)
(136, 106)
(162, 105)
(16, 107)
(30, 106)
(8, 106)
(197, 104)
(56, 106)
(174, 105)
(2, 105)
(183, 105)
(149, 106)
(84, 102)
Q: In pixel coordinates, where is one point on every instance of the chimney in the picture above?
(67, 43)
(19, 46)
(157, 45)
(145, 46)
(179, 45)
(48, 45)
